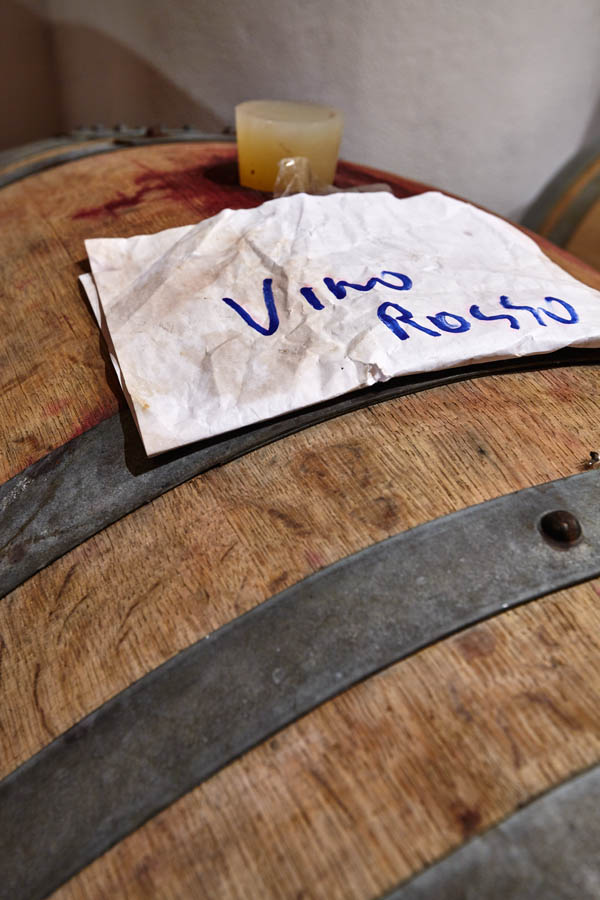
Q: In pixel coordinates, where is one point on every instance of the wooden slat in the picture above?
(122, 603)
(55, 377)
(568, 195)
(398, 770)
(52, 376)
(387, 778)
(585, 240)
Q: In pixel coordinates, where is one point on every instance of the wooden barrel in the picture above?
(567, 212)
(166, 732)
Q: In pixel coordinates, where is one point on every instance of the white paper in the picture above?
(193, 366)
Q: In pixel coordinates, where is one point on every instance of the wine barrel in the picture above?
(298, 661)
(567, 211)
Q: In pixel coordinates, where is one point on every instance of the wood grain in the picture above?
(585, 240)
(176, 569)
(398, 770)
(388, 777)
(126, 600)
(568, 194)
(583, 231)
(55, 378)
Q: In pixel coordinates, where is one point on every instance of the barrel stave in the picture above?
(394, 773)
(388, 777)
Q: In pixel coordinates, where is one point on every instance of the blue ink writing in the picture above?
(405, 316)
(573, 317)
(443, 321)
(311, 297)
(271, 309)
(505, 302)
(338, 289)
(398, 318)
(477, 314)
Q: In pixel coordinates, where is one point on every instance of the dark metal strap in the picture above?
(104, 474)
(187, 719)
(550, 850)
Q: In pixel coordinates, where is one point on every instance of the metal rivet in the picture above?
(561, 526)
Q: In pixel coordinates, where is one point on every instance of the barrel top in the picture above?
(59, 379)
(393, 773)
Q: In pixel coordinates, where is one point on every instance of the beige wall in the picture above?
(486, 98)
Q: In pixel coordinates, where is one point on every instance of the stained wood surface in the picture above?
(129, 598)
(395, 772)
(123, 602)
(55, 380)
(392, 775)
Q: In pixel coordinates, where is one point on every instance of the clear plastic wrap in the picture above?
(295, 176)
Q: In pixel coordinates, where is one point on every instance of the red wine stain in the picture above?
(121, 201)
(211, 185)
(314, 559)
(89, 419)
(55, 407)
(40, 451)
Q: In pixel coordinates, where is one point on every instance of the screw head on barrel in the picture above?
(561, 526)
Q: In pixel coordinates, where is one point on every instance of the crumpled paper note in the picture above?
(257, 312)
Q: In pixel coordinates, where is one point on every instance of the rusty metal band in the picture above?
(549, 850)
(180, 724)
(102, 475)
(92, 142)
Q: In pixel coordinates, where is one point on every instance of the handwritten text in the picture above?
(399, 319)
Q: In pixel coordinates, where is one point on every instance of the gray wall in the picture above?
(485, 98)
